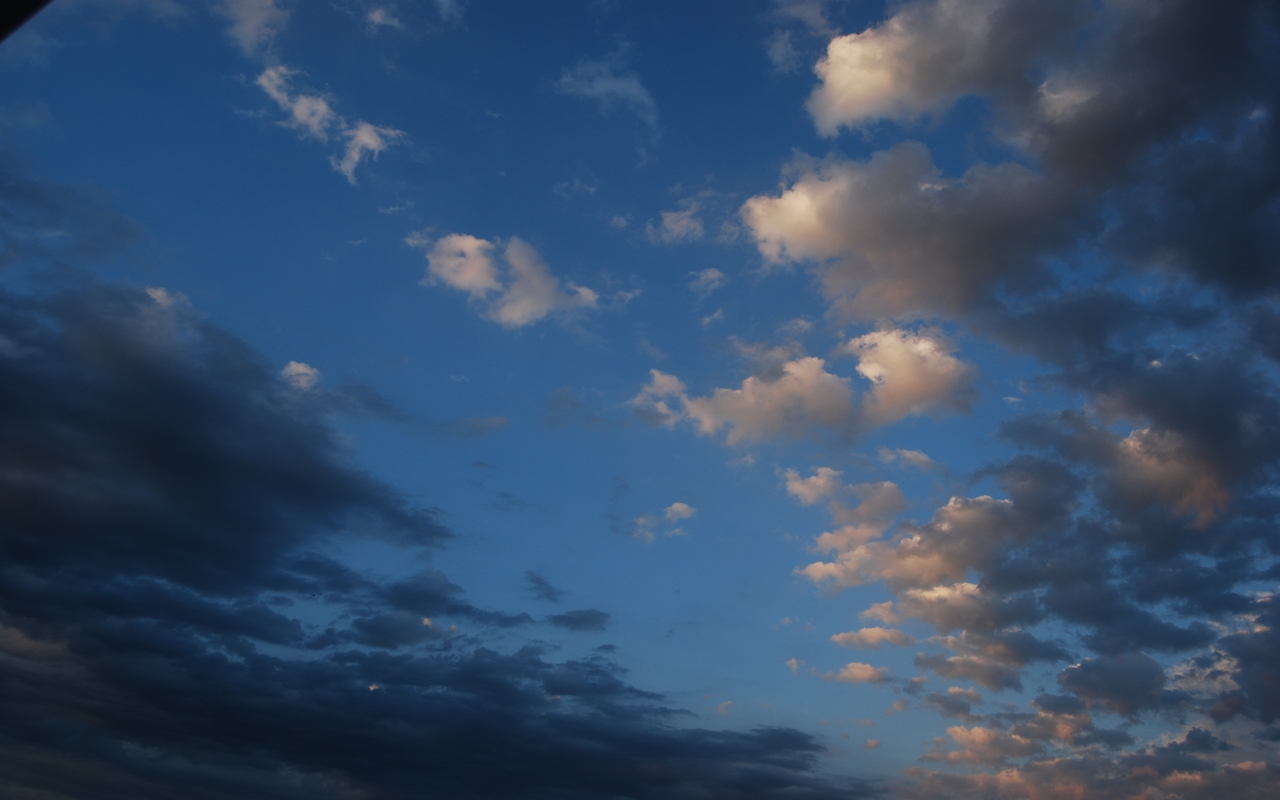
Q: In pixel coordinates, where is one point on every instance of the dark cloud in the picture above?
(586, 619)
(1125, 685)
(541, 588)
(174, 621)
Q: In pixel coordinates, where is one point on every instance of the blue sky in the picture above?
(655, 400)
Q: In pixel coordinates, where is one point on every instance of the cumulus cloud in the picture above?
(795, 396)
(610, 84)
(678, 511)
(526, 293)
(892, 237)
(857, 672)
(300, 376)
(704, 283)
(911, 373)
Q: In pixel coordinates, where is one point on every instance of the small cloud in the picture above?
(364, 141)
(710, 319)
(793, 664)
(678, 225)
(872, 744)
(857, 672)
(796, 327)
(679, 511)
(619, 222)
(724, 707)
(300, 376)
(567, 189)
(541, 588)
(909, 458)
(707, 281)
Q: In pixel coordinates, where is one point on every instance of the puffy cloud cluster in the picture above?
(526, 293)
(1144, 131)
(911, 373)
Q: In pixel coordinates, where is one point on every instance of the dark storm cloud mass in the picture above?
(172, 623)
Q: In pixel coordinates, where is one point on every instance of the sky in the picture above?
(778, 399)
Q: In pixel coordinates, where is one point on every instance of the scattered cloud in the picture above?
(524, 293)
(706, 282)
(872, 638)
(587, 619)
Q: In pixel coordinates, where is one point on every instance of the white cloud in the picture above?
(857, 672)
(891, 237)
(679, 511)
(300, 376)
(527, 292)
(823, 483)
(964, 534)
(254, 23)
(803, 397)
(461, 261)
(872, 638)
(681, 225)
(363, 139)
(310, 113)
(912, 373)
(314, 116)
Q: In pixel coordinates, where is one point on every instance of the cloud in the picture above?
(363, 141)
(1125, 685)
(986, 746)
(872, 638)
(704, 283)
(678, 511)
(609, 83)
(823, 483)
(911, 373)
(300, 376)
(678, 225)
(891, 237)
(911, 458)
(526, 293)
(314, 116)
(542, 589)
(254, 23)
(857, 672)
(586, 619)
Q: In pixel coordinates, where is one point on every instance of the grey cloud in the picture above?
(1125, 685)
(541, 588)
